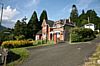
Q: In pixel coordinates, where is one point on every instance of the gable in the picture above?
(44, 23)
(48, 22)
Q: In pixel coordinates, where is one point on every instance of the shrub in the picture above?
(15, 44)
(39, 42)
(21, 37)
(81, 35)
(44, 41)
(50, 42)
(96, 32)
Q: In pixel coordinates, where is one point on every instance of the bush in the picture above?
(16, 44)
(50, 42)
(81, 35)
(96, 32)
(39, 42)
(21, 37)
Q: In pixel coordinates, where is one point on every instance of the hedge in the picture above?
(17, 43)
(24, 43)
(81, 35)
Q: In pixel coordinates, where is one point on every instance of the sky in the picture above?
(56, 9)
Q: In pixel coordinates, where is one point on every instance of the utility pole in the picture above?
(1, 12)
(88, 20)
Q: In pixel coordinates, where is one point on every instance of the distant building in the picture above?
(90, 26)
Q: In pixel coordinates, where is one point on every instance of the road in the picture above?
(62, 54)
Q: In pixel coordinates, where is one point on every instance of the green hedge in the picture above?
(81, 34)
(16, 44)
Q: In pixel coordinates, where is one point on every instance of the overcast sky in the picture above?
(56, 9)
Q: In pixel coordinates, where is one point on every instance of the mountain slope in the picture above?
(2, 27)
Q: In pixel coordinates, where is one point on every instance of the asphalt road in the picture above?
(62, 54)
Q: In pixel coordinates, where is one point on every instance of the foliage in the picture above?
(93, 18)
(96, 32)
(50, 42)
(6, 34)
(39, 42)
(43, 16)
(81, 35)
(83, 17)
(20, 28)
(74, 14)
(21, 37)
(22, 52)
(33, 26)
(16, 44)
(17, 28)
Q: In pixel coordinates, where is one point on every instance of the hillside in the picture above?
(2, 27)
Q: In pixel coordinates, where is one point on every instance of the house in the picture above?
(53, 30)
(90, 26)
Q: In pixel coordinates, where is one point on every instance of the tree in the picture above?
(82, 19)
(6, 34)
(33, 26)
(17, 28)
(20, 28)
(24, 27)
(83, 15)
(74, 14)
(93, 18)
(43, 16)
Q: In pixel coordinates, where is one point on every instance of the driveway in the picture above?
(62, 54)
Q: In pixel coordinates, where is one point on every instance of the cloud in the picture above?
(36, 2)
(8, 16)
(67, 8)
(80, 4)
(9, 13)
(83, 4)
(8, 23)
(33, 3)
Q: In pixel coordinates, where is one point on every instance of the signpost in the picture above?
(3, 55)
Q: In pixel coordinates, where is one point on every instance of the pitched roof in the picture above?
(89, 24)
(50, 23)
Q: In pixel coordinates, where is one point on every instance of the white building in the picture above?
(90, 26)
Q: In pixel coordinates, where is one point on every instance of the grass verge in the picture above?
(22, 52)
(94, 60)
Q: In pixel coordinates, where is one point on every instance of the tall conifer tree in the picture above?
(33, 26)
(43, 16)
(74, 14)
